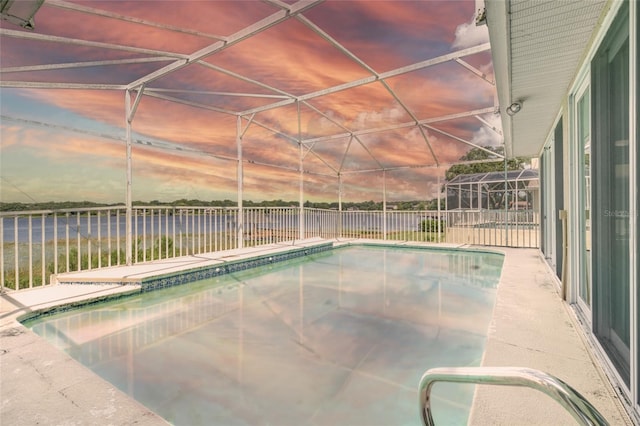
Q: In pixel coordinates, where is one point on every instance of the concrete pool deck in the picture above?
(531, 327)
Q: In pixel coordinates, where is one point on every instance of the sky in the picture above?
(59, 144)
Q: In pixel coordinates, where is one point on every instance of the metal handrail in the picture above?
(581, 410)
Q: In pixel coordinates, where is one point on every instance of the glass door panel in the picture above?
(584, 148)
(610, 194)
(637, 185)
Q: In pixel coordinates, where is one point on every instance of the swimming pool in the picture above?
(337, 337)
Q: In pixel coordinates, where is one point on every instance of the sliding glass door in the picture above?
(583, 135)
(610, 194)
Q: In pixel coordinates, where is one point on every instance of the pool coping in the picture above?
(146, 273)
(84, 288)
(19, 344)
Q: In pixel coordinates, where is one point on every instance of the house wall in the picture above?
(589, 167)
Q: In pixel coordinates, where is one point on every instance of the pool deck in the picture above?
(532, 327)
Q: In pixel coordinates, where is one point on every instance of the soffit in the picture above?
(537, 48)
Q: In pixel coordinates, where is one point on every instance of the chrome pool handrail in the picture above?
(581, 409)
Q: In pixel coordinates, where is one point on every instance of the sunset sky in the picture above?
(68, 143)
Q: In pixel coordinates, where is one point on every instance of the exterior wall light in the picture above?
(514, 108)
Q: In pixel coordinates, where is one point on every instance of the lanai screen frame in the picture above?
(476, 185)
(135, 90)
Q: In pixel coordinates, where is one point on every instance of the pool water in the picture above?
(335, 338)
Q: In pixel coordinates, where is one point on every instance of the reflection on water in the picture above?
(342, 337)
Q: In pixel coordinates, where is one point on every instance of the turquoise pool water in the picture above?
(335, 338)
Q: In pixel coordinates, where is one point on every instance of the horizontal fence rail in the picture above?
(38, 244)
(512, 228)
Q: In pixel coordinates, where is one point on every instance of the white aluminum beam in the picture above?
(442, 132)
(237, 37)
(156, 93)
(384, 204)
(360, 132)
(439, 60)
(457, 115)
(275, 131)
(77, 42)
(135, 104)
(67, 65)
(240, 171)
(249, 121)
(44, 85)
(98, 12)
(301, 201)
(416, 166)
(388, 74)
(129, 182)
(486, 123)
(327, 117)
(413, 116)
(61, 127)
(420, 166)
(270, 106)
(278, 3)
(284, 94)
(475, 70)
(401, 125)
(161, 145)
(285, 136)
(340, 204)
(368, 151)
(344, 156)
(335, 43)
(209, 92)
(190, 103)
(426, 139)
(344, 128)
(292, 140)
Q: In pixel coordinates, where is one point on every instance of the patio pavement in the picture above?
(531, 327)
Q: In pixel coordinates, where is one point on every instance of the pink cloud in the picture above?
(289, 56)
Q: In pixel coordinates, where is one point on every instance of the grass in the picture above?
(71, 261)
(159, 248)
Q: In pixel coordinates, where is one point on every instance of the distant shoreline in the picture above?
(363, 205)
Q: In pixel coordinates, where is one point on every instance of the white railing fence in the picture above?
(513, 228)
(37, 244)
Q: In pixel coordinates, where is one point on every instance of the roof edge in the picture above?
(499, 37)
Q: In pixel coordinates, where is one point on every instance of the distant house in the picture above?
(515, 190)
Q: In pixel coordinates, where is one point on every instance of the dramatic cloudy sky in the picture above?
(67, 143)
